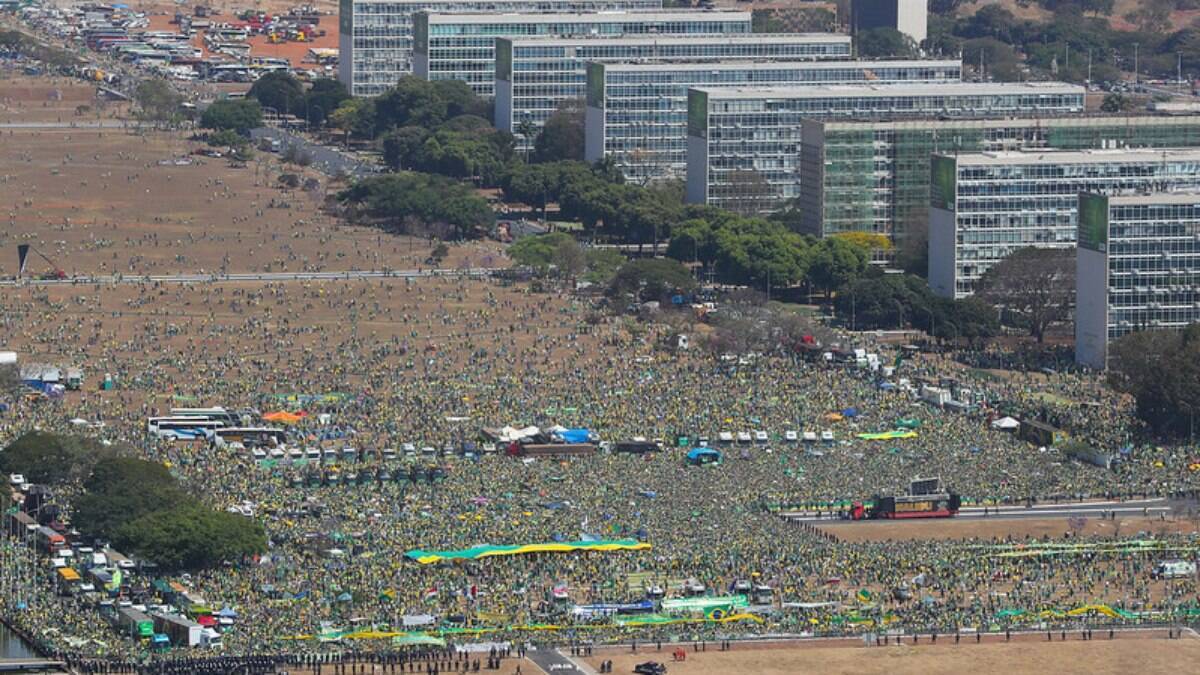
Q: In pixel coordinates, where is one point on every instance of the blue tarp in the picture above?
(703, 455)
(850, 412)
(575, 435)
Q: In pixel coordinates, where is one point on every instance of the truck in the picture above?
(49, 541)
(550, 449)
(182, 632)
(1040, 434)
(1174, 569)
(68, 580)
(926, 498)
(135, 624)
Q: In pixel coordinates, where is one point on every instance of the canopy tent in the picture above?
(284, 417)
(415, 639)
(699, 456)
(486, 551)
(574, 435)
(1006, 424)
(908, 423)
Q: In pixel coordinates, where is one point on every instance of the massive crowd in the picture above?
(431, 362)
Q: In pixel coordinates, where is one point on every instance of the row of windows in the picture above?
(944, 103)
(667, 50)
(591, 27)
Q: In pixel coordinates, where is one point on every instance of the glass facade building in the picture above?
(637, 113)
(984, 206)
(375, 36)
(462, 46)
(535, 75)
(873, 175)
(743, 148)
(1137, 268)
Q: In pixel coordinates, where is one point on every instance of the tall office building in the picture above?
(743, 147)
(910, 17)
(637, 113)
(536, 75)
(1137, 268)
(984, 206)
(462, 46)
(873, 175)
(375, 36)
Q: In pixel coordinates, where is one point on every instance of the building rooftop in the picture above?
(1029, 120)
(747, 38)
(1188, 197)
(777, 65)
(1134, 155)
(581, 17)
(884, 90)
(583, 4)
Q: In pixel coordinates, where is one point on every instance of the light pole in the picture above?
(1136, 81)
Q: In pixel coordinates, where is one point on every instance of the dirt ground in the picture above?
(1037, 528)
(1021, 657)
(106, 201)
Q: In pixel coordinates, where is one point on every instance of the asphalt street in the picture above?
(252, 276)
(1150, 507)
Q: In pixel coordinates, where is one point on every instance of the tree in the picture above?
(325, 96)
(538, 251)
(1038, 284)
(226, 138)
(10, 380)
(51, 459)
(240, 115)
(190, 537)
(403, 200)
(1161, 370)
(157, 100)
(461, 100)
(562, 134)
(884, 42)
(401, 147)
(280, 91)
(355, 116)
(651, 279)
(836, 262)
(412, 102)
(1114, 103)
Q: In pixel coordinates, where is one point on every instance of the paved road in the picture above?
(552, 661)
(93, 124)
(251, 276)
(1152, 507)
(329, 161)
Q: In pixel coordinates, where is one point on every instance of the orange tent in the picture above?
(284, 417)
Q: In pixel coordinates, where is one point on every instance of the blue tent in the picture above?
(575, 435)
(703, 456)
(850, 412)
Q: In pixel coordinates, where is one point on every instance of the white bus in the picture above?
(229, 417)
(182, 428)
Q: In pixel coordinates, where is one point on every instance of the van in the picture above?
(259, 454)
(349, 453)
(295, 454)
(389, 453)
(313, 454)
(330, 454)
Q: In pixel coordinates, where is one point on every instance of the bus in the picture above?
(68, 581)
(229, 417)
(182, 428)
(263, 436)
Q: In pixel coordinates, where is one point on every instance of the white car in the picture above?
(409, 449)
(760, 437)
(125, 564)
(15, 479)
(827, 436)
(743, 437)
(790, 436)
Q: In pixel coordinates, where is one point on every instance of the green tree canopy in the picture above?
(279, 91)
(406, 200)
(324, 97)
(50, 458)
(240, 115)
(652, 279)
(562, 135)
(884, 43)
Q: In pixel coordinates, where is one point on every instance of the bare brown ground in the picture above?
(999, 528)
(1030, 656)
(97, 201)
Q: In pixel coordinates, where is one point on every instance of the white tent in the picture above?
(1005, 424)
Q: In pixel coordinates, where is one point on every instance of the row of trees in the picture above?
(135, 504)
(893, 301)
(286, 95)
(418, 203)
(1161, 370)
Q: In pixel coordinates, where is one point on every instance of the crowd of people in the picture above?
(431, 362)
